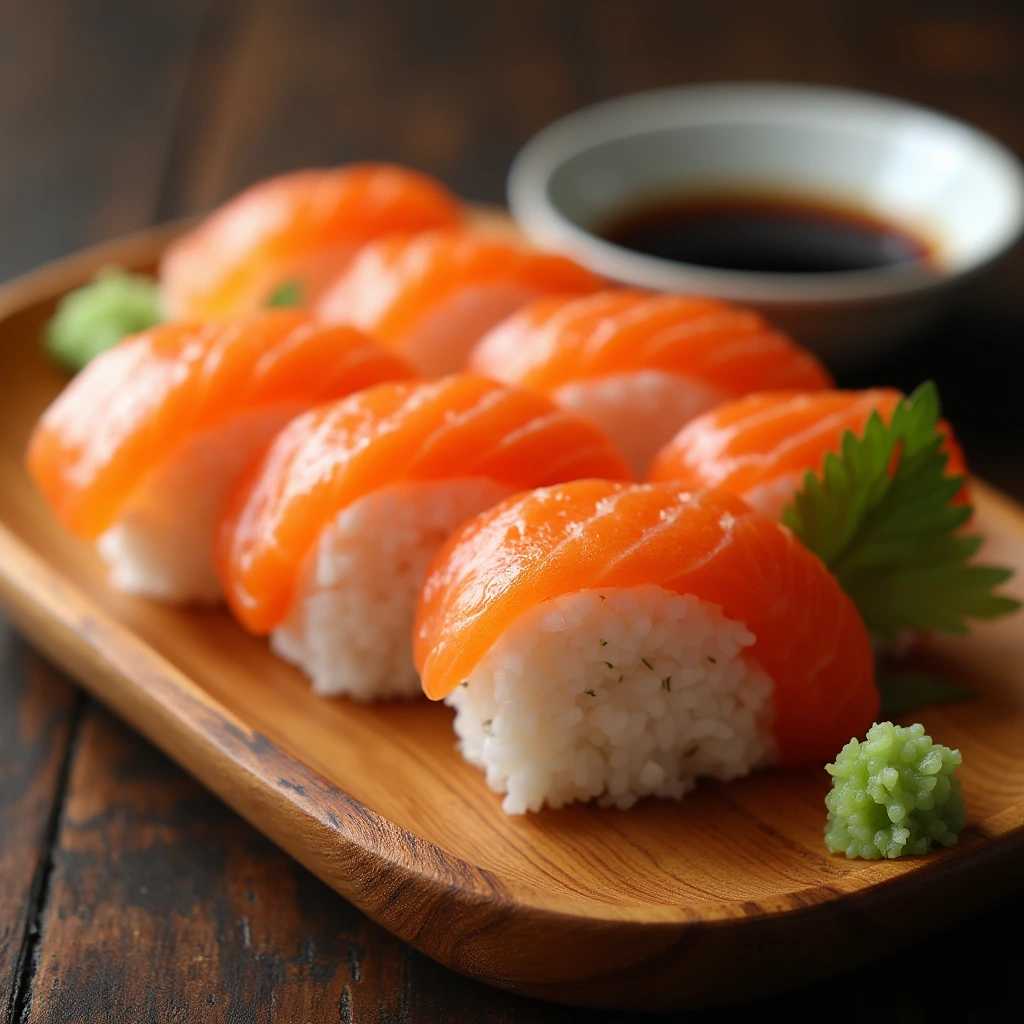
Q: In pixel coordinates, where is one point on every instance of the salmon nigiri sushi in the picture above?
(284, 238)
(762, 446)
(139, 450)
(617, 641)
(431, 297)
(325, 542)
(643, 364)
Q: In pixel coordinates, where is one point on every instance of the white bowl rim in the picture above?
(688, 106)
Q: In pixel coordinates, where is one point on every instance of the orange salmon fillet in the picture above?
(562, 339)
(594, 533)
(398, 286)
(760, 447)
(137, 403)
(301, 227)
(405, 432)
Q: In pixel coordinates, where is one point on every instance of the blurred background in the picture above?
(126, 892)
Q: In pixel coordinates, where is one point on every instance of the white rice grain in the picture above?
(161, 543)
(645, 692)
(641, 411)
(350, 627)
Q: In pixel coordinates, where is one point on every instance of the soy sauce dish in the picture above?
(848, 218)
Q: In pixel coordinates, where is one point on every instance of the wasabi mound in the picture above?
(895, 793)
(98, 315)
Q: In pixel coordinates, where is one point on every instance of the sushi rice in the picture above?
(160, 546)
(641, 410)
(348, 628)
(615, 694)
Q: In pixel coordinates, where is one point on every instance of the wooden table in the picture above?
(126, 892)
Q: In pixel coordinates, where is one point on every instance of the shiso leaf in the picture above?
(904, 692)
(894, 793)
(98, 315)
(287, 294)
(880, 517)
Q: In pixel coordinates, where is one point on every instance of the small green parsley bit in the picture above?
(98, 315)
(289, 293)
(894, 793)
(881, 516)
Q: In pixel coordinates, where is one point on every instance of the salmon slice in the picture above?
(296, 231)
(432, 296)
(154, 430)
(761, 446)
(456, 428)
(592, 534)
(643, 364)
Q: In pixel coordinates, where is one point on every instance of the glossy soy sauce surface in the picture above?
(775, 234)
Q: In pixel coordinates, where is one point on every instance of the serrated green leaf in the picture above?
(880, 516)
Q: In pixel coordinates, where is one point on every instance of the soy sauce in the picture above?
(770, 233)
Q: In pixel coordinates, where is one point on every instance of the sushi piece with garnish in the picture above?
(432, 296)
(281, 240)
(871, 481)
(762, 446)
(643, 364)
(138, 451)
(324, 543)
(601, 640)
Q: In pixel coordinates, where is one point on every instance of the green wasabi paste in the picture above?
(894, 793)
(95, 317)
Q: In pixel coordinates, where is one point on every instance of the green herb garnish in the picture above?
(666, 683)
(98, 315)
(880, 517)
(647, 663)
(287, 294)
(590, 693)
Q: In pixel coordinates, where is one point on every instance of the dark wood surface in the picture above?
(126, 892)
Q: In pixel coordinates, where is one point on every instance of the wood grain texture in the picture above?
(655, 907)
(145, 854)
(37, 713)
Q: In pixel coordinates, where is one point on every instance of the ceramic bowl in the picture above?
(934, 176)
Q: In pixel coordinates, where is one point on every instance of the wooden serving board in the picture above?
(726, 895)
